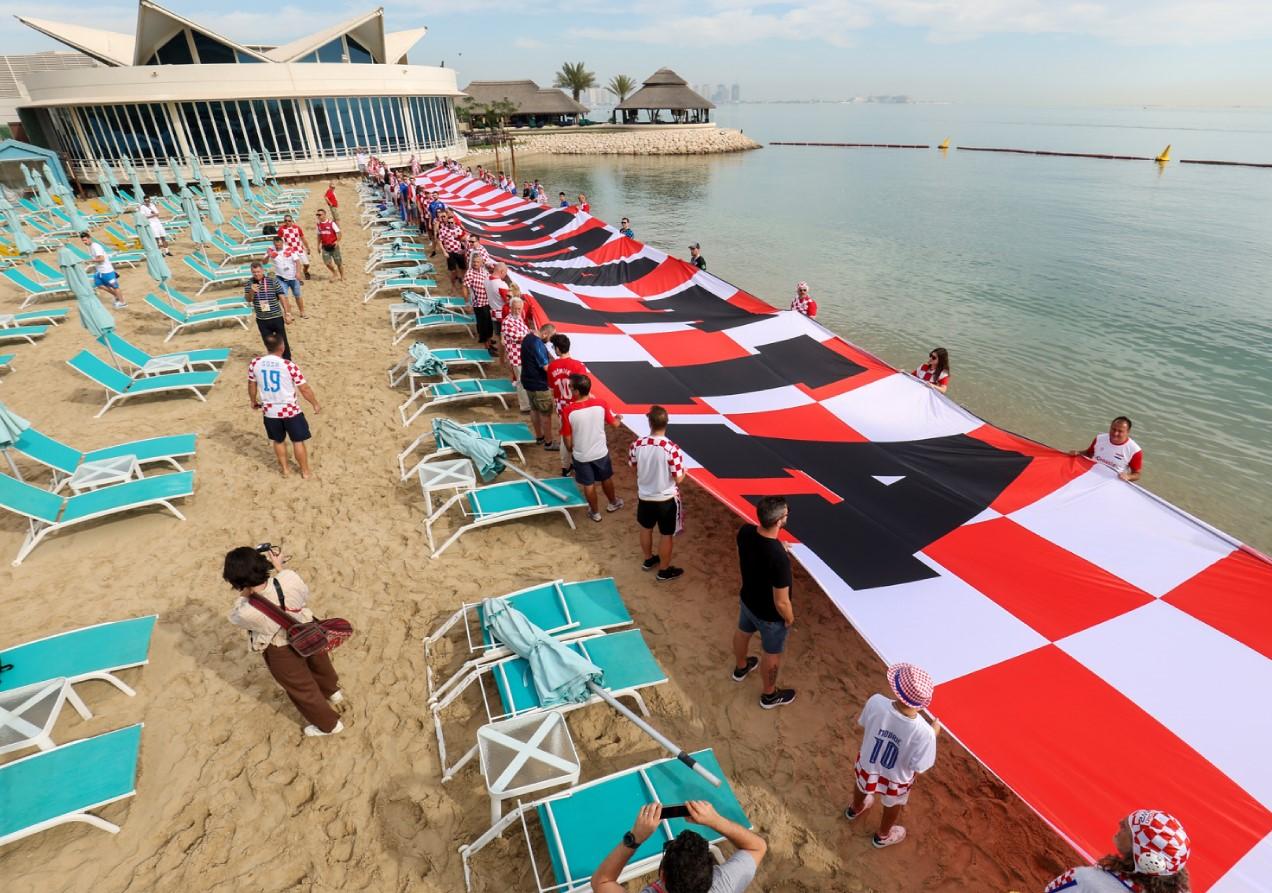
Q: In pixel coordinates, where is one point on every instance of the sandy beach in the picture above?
(231, 796)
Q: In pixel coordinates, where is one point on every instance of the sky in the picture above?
(1017, 52)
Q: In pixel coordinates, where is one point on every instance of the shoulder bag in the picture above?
(306, 638)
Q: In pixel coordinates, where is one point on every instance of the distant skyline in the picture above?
(1029, 52)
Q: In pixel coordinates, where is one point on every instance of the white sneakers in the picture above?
(315, 732)
(336, 697)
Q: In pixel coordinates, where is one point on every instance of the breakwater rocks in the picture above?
(662, 141)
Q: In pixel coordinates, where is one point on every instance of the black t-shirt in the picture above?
(700, 262)
(765, 567)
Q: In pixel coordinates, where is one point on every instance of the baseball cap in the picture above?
(695, 245)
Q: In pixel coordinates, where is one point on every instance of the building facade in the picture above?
(179, 90)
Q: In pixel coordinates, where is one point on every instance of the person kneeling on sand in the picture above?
(1152, 850)
(897, 744)
(272, 385)
(687, 865)
(311, 682)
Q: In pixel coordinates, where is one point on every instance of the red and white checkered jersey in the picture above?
(895, 747)
(804, 304)
(451, 235)
(584, 422)
(293, 237)
(1118, 456)
(277, 381)
(658, 462)
(559, 372)
(1090, 879)
(478, 260)
(514, 331)
(927, 371)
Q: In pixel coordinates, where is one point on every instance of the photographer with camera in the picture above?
(268, 597)
(687, 866)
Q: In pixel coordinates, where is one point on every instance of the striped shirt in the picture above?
(265, 297)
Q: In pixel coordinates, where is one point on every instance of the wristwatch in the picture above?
(629, 840)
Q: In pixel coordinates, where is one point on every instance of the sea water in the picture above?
(1067, 290)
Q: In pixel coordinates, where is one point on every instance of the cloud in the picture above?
(528, 43)
(841, 22)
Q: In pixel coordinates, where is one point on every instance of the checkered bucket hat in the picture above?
(912, 685)
(801, 286)
(1159, 844)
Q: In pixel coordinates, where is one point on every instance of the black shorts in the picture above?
(660, 514)
(455, 261)
(587, 473)
(295, 428)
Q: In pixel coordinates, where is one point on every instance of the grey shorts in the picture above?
(772, 632)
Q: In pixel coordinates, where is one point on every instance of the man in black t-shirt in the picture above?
(766, 599)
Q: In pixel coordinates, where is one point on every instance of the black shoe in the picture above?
(649, 564)
(751, 664)
(779, 698)
(670, 573)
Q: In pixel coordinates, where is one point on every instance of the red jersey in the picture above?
(330, 196)
(559, 372)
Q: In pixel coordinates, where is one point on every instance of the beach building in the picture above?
(536, 106)
(177, 89)
(664, 90)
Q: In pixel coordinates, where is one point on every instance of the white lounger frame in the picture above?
(408, 415)
(112, 397)
(461, 682)
(38, 529)
(407, 473)
(528, 512)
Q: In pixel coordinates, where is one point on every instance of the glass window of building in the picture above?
(175, 52)
(211, 51)
(331, 52)
(358, 54)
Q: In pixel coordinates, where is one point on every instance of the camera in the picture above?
(265, 547)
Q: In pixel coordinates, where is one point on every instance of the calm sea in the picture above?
(1067, 291)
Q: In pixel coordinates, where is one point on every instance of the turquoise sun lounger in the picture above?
(211, 357)
(511, 436)
(182, 319)
(431, 322)
(579, 826)
(5, 360)
(624, 657)
(119, 386)
(477, 357)
(22, 333)
(35, 290)
(48, 513)
(455, 390)
(218, 276)
(397, 283)
(67, 783)
(564, 610)
(52, 316)
(91, 653)
(63, 460)
(508, 501)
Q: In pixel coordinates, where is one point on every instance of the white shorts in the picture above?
(157, 229)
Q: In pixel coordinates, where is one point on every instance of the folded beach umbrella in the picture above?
(198, 232)
(156, 263)
(26, 175)
(108, 173)
(135, 180)
(246, 186)
(562, 675)
(164, 189)
(215, 217)
(51, 180)
(269, 166)
(196, 169)
(232, 188)
(94, 317)
(177, 176)
(11, 427)
(41, 192)
(486, 454)
(70, 208)
(425, 304)
(5, 204)
(258, 172)
(21, 241)
(113, 204)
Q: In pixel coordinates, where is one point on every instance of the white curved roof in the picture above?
(108, 47)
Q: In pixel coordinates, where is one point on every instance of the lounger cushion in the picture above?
(68, 779)
(515, 495)
(623, 656)
(148, 450)
(593, 604)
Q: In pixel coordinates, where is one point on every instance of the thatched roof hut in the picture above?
(664, 89)
(531, 100)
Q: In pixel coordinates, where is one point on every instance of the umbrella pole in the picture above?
(553, 491)
(662, 740)
(8, 455)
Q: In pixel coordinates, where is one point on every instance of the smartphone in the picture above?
(677, 811)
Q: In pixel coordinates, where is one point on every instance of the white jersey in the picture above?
(658, 462)
(277, 381)
(894, 746)
(1088, 879)
(151, 213)
(1118, 456)
(104, 266)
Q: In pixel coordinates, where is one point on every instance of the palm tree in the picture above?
(621, 86)
(574, 77)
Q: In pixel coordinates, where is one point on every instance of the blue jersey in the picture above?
(435, 208)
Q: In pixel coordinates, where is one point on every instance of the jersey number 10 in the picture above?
(889, 756)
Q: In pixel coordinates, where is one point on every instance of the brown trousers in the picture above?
(308, 681)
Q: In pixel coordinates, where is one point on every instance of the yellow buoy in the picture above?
(944, 145)
(1164, 157)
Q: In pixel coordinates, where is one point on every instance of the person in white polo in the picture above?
(1116, 450)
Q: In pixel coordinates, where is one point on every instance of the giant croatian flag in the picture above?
(1096, 648)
